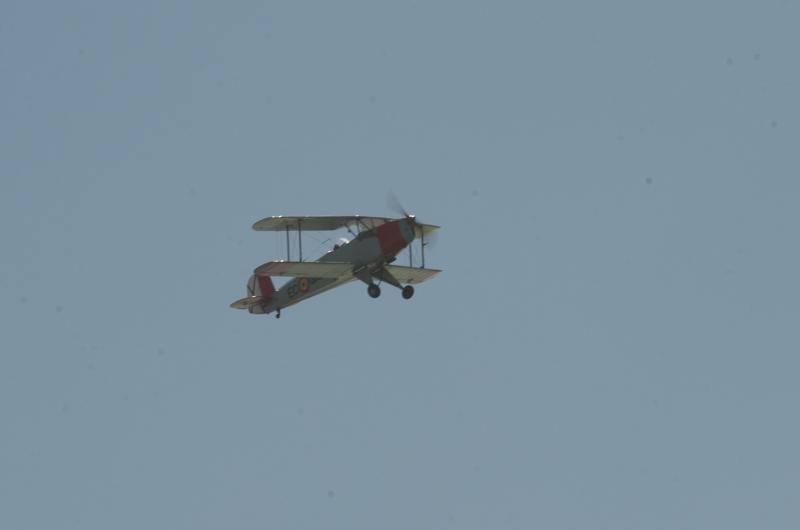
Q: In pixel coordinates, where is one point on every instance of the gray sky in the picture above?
(613, 343)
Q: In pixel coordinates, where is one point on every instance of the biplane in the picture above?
(369, 256)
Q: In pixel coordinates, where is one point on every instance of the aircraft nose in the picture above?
(394, 236)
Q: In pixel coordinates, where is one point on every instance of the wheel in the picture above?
(408, 291)
(373, 290)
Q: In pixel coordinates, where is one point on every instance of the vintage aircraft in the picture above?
(368, 257)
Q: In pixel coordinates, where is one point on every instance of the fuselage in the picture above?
(368, 251)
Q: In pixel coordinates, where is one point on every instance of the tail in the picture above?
(261, 286)
(260, 290)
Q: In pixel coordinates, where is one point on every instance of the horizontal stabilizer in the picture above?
(411, 274)
(245, 303)
(305, 269)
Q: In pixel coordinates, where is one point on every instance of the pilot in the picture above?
(342, 241)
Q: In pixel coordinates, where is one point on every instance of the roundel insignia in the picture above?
(302, 284)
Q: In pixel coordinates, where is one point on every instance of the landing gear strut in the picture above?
(373, 290)
(278, 314)
(408, 291)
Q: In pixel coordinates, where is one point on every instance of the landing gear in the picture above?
(408, 291)
(278, 314)
(373, 290)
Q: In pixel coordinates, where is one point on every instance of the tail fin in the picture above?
(260, 286)
(266, 287)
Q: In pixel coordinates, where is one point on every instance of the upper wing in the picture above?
(411, 274)
(315, 223)
(308, 269)
(279, 223)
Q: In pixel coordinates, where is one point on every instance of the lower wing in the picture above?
(411, 274)
(338, 269)
(306, 269)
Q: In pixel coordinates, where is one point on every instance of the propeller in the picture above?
(396, 206)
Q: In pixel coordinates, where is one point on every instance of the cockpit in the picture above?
(340, 243)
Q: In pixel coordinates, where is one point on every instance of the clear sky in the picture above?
(613, 343)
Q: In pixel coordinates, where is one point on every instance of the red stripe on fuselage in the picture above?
(391, 239)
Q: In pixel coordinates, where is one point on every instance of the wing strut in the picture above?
(288, 251)
(422, 247)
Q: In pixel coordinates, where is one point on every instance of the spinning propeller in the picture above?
(395, 205)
